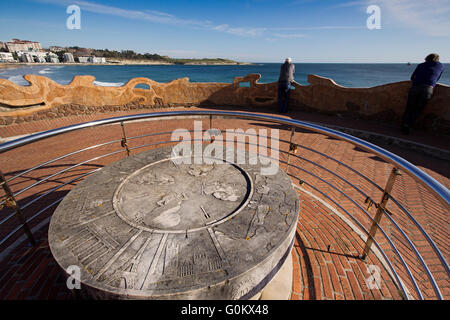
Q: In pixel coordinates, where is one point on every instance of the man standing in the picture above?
(284, 82)
(424, 79)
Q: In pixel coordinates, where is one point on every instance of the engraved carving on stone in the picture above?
(222, 191)
(92, 219)
(148, 265)
(159, 209)
(285, 210)
(261, 211)
(253, 204)
(99, 274)
(125, 276)
(200, 170)
(277, 194)
(157, 178)
(90, 242)
(198, 264)
(171, 259)
(263, 189)
(219, 248)
(242, 287)
(207, 216)
(171, 213)
(167, 211)
(186, 268)
(215, 264)
(261, 182)
(85, 202)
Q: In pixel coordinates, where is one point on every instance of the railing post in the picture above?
(124, 142)
(381, 208)
(212, 133)
(292, 148)
(11, 202)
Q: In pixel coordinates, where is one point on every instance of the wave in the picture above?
(45, 71)
(108, 84)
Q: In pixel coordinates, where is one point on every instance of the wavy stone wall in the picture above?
(44, 98)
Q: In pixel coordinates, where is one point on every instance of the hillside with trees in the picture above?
(130, 55)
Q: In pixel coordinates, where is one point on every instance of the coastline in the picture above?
(14, 65)
(4, 66)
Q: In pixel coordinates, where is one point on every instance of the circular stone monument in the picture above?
(152, 226)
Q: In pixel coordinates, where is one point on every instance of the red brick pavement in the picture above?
(325, 262)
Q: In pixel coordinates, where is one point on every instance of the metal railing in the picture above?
(404, 259)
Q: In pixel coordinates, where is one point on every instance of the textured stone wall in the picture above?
(386, 102)
(44, 98)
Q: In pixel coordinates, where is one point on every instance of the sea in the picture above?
(348, 75)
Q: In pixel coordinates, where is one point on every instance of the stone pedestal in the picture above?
(152, 226)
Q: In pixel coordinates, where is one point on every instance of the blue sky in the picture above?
(246, 30)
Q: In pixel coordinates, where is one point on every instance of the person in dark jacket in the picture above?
(287, 71)
(424, 79)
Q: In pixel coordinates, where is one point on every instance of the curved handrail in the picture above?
(430, 183)
(418, 174)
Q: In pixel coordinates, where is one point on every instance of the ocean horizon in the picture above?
(352, 75)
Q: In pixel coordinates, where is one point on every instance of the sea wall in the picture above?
(44, 98)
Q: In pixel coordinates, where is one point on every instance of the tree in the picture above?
(61, 55)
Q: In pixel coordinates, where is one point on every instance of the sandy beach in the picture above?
(11, 65)
(23, 64)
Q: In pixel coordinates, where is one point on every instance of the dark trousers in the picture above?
(418, 98)
(283, 95)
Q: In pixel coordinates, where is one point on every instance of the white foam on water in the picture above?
(46, 71)
(108, 84)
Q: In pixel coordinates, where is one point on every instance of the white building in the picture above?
(6, 57)
(39, 56)
(32, 56)
(68, 57)
(26, 57)
(22, 45)
(83, 59)
(94, 59)
(51, 57)
(91, 59)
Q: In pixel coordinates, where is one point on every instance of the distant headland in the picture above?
(19, 52)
